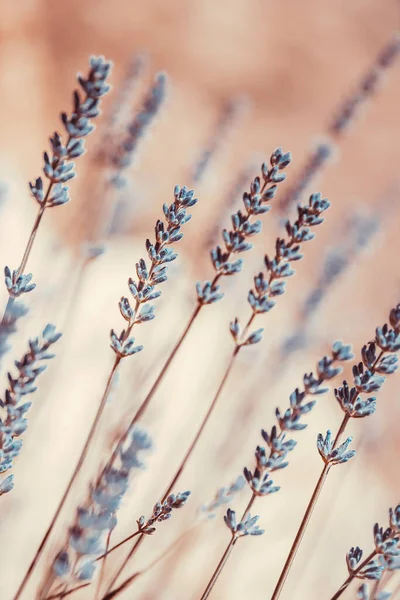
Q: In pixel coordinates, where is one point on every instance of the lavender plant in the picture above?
(230, 113)
(115, 156)
(236, 242)
(274, 456)
(346, 114)
(261, 300)
(120, 110)
(58, 167)
(162, 511)
(314, 165)
(358, 233)
(125, 152)
(366, 88)
(95, 521)
(206, 512)
(386, 551)
(379, 359)
(13, 408)
(144, 290)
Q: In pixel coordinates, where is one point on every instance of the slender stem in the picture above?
(132, 551)
(35, 228)
(307, 516)
(184, 460)
(218, 569)
(249, 506)
(109, 550)
(353, 575)
(103, 566)
(78, 466)
(142, 408)
(227, 552)
(28, 248)
(125, 584)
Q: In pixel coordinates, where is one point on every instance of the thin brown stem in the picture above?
(78, 466)
(142, 408)
(249, 506)
(185, 459)
(218, 569)
(132, 551)
(307, 516)
(125, 584)
(108, 551)
(34, 231)
(353, 575)
(227, 552)
(27, 251)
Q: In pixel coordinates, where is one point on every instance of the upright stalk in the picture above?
(219, 568)
(307, 516)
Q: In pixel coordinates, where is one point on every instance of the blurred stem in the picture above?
(353, 575)
(307, 516)
(78, 466)
(103, 566)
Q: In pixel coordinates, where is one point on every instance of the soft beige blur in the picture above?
(295, 61)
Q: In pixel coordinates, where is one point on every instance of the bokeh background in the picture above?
(292, 64)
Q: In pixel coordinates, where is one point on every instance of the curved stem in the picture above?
(219, 568)
(353, 575)
(307, 516)
(78, 466)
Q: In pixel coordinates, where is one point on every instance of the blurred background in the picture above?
(286, 68)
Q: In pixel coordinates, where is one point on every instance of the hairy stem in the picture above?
(307, 516)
